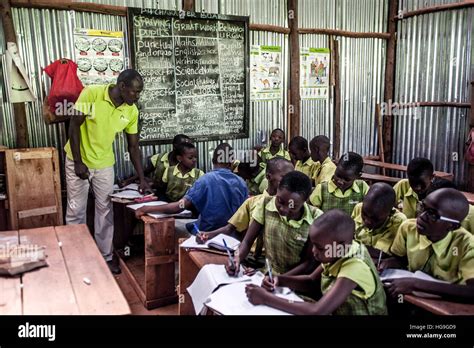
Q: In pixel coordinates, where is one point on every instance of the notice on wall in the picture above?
(314, 73)
(99, 55)
(265, 73)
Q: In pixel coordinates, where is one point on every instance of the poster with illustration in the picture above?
(99, 55)
(265, 73)
(314, 73)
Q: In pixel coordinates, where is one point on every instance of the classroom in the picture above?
(237, 157)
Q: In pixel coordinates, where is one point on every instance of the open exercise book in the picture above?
(127, 192)
(390, 274)
(183, 214)
(230, 297)
(217, 243)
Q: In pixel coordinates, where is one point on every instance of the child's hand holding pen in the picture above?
(233, 265)
(269, 285)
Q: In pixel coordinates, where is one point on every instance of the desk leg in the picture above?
(124, 222)
(160, 257)
(187, 273)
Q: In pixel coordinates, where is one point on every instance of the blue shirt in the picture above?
(217, 195)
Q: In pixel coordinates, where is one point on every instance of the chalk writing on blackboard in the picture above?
(195, 71)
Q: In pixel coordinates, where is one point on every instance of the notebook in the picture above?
(390, 274)
(216, 243)
(184, 214)
(232, 300)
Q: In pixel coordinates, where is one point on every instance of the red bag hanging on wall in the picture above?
(66, 86)
(469, 153)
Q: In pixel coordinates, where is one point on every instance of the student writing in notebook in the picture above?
(346, 282)
(276, 169)
(345, 189)
(435, 243)
(284, 221)
(216, 195)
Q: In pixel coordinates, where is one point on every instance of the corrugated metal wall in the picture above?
(434, 63)
(362, 69)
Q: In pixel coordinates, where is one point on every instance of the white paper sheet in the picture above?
(208, 279)
(232, 243)
(127, 194)
(232, 300)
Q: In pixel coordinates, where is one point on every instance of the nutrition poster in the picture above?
(314, 73)
(265, 72)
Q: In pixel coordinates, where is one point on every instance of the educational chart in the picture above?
(99, 55)
(265, 73)
(314, 73)
(194, 68)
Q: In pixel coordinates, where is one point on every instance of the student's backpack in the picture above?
(469, 153)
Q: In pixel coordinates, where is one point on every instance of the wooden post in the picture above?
(294, 107)
(19, 109)
(389, 79)
(470, 172)
(189, 5)
(337, 99)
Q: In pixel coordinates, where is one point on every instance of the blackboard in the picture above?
(195, 71)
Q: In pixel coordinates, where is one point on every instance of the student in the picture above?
(167, 159)
(276, 148)
(377, 221)
(410, 191)
(435, 243)
(179, 178)
(157, 164)
(324, 168)
(216, 195)
(468, 222)
(300, 155)
(277, 168)
(284, 221)
(347, 278)
(344, 190)
(249, 171)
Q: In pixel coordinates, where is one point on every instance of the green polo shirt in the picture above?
(407, 197)
(103, 121)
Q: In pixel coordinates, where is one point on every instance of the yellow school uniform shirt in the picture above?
(407, 196)
(323, 171)
(308, 167)
(265, 155)
(316, 195)
(163, 158)
(241, 219)
(468, 222)
(355, 269)
(193, 173)
(103, 121)
(382, 237)
(450, 259)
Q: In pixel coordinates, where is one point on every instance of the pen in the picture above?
(230, 255)
(269, 270)
(196, 229)
(380, 259)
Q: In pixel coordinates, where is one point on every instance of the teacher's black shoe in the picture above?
(114, 267)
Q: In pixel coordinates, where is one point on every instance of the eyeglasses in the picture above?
(433, 214)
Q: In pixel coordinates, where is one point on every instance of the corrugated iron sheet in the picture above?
(362, 68)
(434, 63)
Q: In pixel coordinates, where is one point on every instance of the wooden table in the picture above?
(441, 307)
(60, 289)
(190, 262)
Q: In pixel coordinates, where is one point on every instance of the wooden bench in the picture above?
(402, 168)
(76, 280)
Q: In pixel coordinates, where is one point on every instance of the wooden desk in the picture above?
(469, 196)
(60, 289)
(379, 178)
(152, 275)
(190, 262)
(441, 307)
